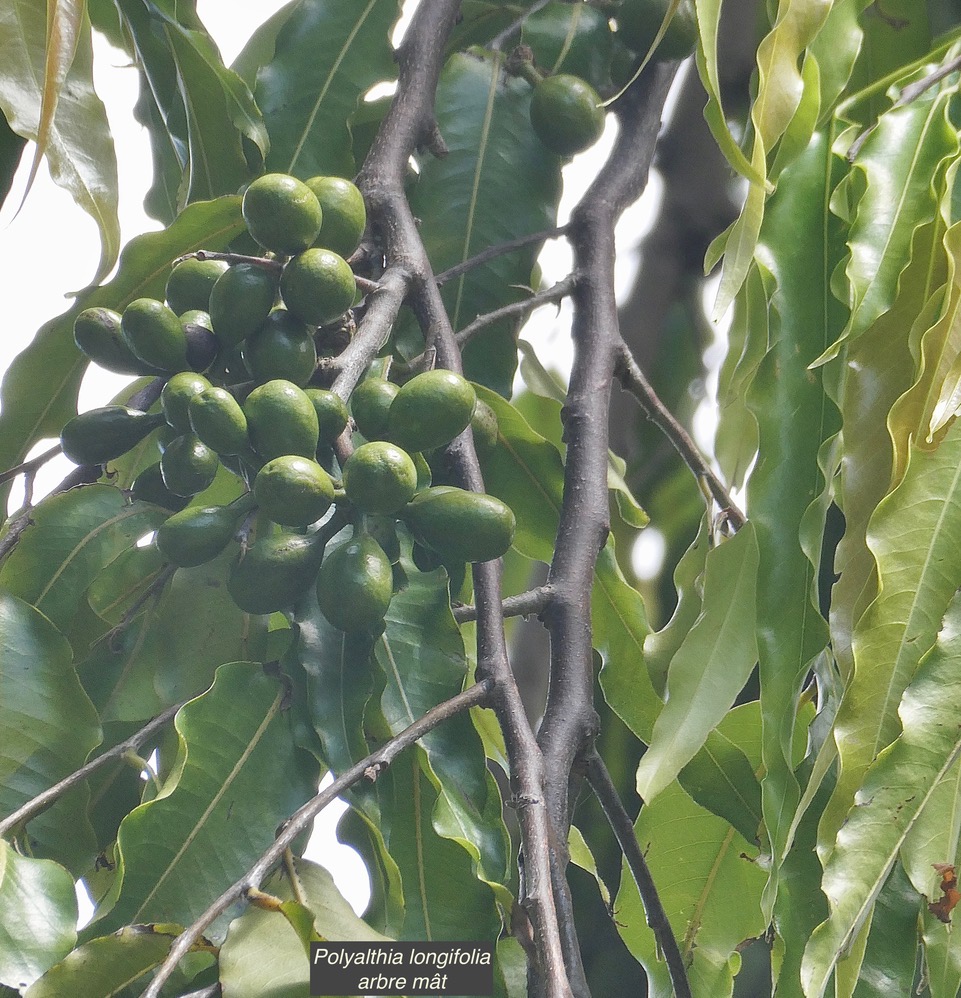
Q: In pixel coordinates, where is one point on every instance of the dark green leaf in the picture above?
(571, 38)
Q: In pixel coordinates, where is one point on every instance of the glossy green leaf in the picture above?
(49, 726)
(38, 916)
(711, 665)
(62, 110)
(53, 359)
(497, 182)
(326, 55)
(582, 856)
(894, 792)
(710, 887)
(914, 534)
(105, 967)
(571, 38)
(238, 776)
(72, 537)
(836, 48)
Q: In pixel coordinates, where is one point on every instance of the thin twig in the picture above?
(522, 605)
(501, 249)
(367, 769)
(274, 266)
(632, 380)
(41, 802)
(623, 828)
(30, 466)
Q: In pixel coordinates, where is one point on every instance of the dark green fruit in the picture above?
(483, 424)
(176, 395)
(154, 334)
(318, 286)
(430, 410)
(281, 348)
(282, 213)
(275, 571)
(218, 420)
(460, 525)
(190, 283)
(281, 420)
(149, 486)
(197, 535)
(355, 584)
(638, 22)
(240, 301)
(202, 343)
(188, 465)
(96, 331)
(566, 114)
(293, 491)
(369, 405)
(332, 415)
(344, 214)
(379, 477)
(106, 433)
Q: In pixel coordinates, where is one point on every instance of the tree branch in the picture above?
(367, 769)
(522, 605)
(30, 466)
(632, 380)
(623, 828)
(501, 249)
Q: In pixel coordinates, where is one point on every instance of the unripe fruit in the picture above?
(149, 486)
(240, 301)
(275, 571)
(332, 415)
(483, 424)
(188, 465)
(369, 405)
(355, 584)
(566, 114)
(318, 286)
(344, 214)
(430, 410)
(190, 283)
(638, 22)
(106, 433)
(281, 420)
(281, 348)
(282, 213)
(202, 344)
(293, 491)
(195, 535)
(96, 331)
(154, 335)
(460, 525)
(379, 477)
(176, 395)
(218, 420)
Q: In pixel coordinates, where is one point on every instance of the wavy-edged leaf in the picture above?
(237, 777)
(53, 360)
(710, 887)
(895, 790)
(711, 665)
(914, 534)
(498, 182)
(73, 536)
(326, 55)
(62, 110)
(50, 727)
(38, 916)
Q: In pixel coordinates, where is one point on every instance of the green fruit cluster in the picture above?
(235, 346)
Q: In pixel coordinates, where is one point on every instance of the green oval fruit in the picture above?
(638, 22)
(281, 420)
(379, 477)
(218, 420)
(344, 214)
(176, 395)
(483, 424)
(275, 571)
(355, 584)
(318, 286)
(190, 283)
(197, 535)
(282, 213)
(293, 491)
(240, 301)
(106, 433)
(369, 405)
(460, 525)
(566, 114)
(430, 410)
(96, 331)
(149, 486)
(154, 334)
(332, 415)
(188, 465)
(202, 343)
(282, 348)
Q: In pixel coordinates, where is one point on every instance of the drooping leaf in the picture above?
(61, 109)
(38, 916)
(49, 728)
